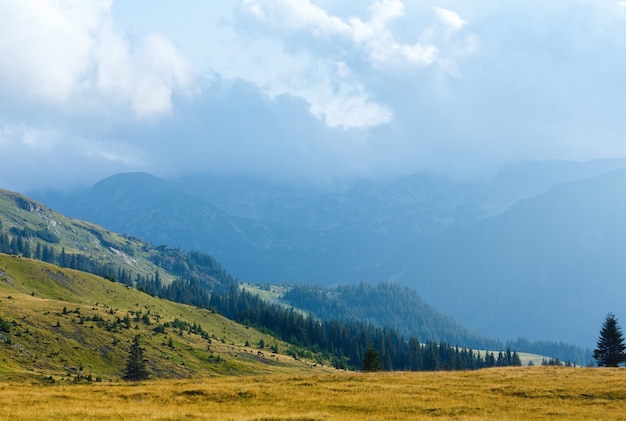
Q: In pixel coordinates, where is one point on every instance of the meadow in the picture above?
(536, 393)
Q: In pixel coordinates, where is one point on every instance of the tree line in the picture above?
(346, 342)
(389, 304)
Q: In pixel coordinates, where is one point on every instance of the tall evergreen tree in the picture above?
(610, 350)
(136, 364)
(371, 361)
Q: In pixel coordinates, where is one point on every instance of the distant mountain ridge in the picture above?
(550, 266)
(265, 232)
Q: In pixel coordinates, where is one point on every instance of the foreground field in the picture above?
(511, 394)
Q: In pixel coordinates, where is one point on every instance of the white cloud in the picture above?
(45, 47)
(328, 86)
(90, 86)
(345, 105)
(296, 14)
(147, 79)
(372, 36)
(69, 53)
(338, 98)
(450, 19)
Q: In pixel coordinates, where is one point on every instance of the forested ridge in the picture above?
(345, 342)
(390, 305)
(383, 304)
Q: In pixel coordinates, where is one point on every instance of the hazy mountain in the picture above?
(549, 267)
(264, 232)
(458, 243)
(160, 211)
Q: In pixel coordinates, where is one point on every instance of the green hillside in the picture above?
(75, 326)
(21, 214)
(31, 229)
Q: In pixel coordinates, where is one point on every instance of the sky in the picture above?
(305, 90)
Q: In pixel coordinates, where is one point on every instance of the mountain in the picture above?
(422, 230)
(265, 232)
(549, 267)
(270, 232)
(161, 212)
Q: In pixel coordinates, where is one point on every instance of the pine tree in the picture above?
(371, 361)
(136, 364)
(610, 350)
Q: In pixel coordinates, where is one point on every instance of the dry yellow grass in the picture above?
(508, 394)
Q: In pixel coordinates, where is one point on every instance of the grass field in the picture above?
(496, 394)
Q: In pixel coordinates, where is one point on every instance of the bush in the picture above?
(4, 326)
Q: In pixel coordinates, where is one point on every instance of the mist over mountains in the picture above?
(535, 251)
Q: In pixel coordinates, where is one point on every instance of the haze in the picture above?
(304, 90)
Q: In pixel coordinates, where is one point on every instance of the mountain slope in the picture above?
(68, 324)
(263, 232)
(34, 228)
(161, 212)
(550, 267)
(384, 305)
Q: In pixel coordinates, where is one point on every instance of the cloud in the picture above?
(373, 36)
(59, 158)
(449, 18)
(296, 14)
(145, 80)
(46, 47)
(295, 88)
(68, 53)
(292, 28)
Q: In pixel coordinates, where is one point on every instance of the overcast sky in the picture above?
(305, 89)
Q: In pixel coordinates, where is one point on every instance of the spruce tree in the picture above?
(371, 361)
(136, 364)
(610, 350)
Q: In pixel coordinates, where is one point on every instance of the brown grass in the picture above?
(497, 394)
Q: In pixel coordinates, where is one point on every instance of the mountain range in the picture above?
(534, 251)
(40, 336)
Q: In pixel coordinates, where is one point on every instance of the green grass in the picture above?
(51, 310)
(77, 236)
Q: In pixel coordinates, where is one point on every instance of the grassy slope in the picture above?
(44, 341)
(77, 236)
